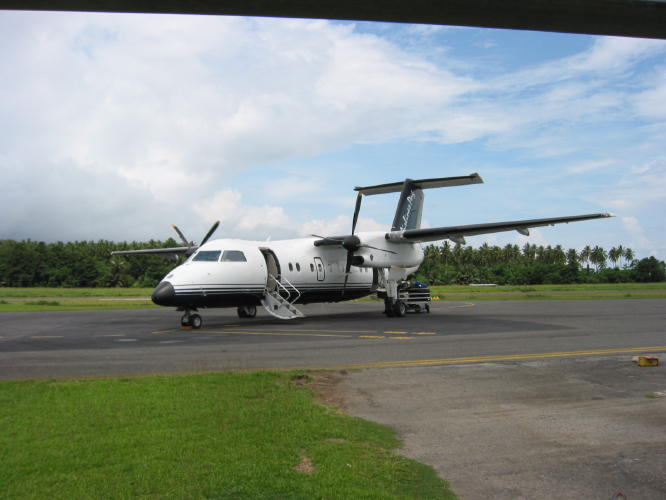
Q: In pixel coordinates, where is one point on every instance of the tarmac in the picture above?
(506, 399)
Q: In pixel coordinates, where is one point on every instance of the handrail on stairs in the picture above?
(282, 287)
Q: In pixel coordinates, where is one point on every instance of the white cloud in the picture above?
(239, 219)
(340, 225)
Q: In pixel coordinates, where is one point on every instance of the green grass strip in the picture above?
(225, 435)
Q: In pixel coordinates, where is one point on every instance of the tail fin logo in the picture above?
(407, 212)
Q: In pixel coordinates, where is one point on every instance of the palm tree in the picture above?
(614, 255)
(598, 257)
(572, 257)
(585, 255)
(629, 257)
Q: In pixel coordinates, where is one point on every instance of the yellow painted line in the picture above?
(164, 331)
(46, 337)
(278, 334)
(231, 325)
(304, 330)
(423, 333)
(484, 359)
(111, 335)
(469, 304)
(394, 331)
(371, 337)
(401, 338)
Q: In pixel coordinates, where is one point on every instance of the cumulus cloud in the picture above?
(135, 121)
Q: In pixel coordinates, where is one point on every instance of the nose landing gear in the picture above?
(191, 320)
(247, 311)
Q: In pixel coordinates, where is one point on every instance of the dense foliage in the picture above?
(89, 264)
(81, 264)
(533, 265)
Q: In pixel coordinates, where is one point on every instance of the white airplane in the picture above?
(280, 274)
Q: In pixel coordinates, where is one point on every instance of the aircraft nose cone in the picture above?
(164, 294)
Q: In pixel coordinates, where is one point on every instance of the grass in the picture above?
(80, 299)
(46, 292)
(226, 435)
(92, 304)
(553, 292)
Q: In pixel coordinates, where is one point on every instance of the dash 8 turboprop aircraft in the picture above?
(280, 274)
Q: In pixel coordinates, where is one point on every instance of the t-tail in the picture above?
(410, 205)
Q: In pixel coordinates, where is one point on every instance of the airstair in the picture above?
(279, 301)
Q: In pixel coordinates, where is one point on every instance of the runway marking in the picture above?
(468, 304)
(424, 333)
(398, 331)
(371, 337)
(277, 334)
(481, 359)
(164, 331)
(400, 338)
(46, 337)
(304, 330)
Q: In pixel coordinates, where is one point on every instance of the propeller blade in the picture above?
(350, 254)
(182, 237)
(210, 232)
(357, 209)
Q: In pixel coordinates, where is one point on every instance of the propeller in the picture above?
(191, 246)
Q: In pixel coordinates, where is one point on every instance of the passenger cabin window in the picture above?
(312, 267)
(291, 268)
(298, 267)
(233, 256)
(207, 256)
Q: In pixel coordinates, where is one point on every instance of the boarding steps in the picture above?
(276, 304)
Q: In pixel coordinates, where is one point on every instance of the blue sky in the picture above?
(115, 126)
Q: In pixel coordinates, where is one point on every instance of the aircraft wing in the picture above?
(172, 250)
(457, 233)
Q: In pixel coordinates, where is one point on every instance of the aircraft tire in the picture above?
(388, 307)
(185, 320)
(242, 313)
(251, 311)
(196, 321)
(399, 309)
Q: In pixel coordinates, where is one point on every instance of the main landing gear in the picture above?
(247, 311)
(191, 320)
(394, 308)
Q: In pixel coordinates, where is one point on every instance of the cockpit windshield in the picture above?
(207, 256)
(233, 256)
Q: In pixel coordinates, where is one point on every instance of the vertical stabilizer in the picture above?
(410, 208)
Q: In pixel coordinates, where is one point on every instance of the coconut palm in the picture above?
(598, 257)
(629, 256)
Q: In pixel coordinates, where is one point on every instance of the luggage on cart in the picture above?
(415, 295)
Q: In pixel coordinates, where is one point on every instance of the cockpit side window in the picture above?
(233, 256)
(207, 256)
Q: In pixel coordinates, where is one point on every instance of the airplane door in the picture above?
(319, 265)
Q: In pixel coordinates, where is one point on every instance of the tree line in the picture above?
(535, 264)
(90, 264)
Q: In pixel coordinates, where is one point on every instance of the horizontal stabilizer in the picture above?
(458, 233)
(396, 187)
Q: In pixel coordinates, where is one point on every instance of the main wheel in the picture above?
(242, 312)
(185, 320)
(388, 307)
(399, 309)
(196, 321)
(251, 311)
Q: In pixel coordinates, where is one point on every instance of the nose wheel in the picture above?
(191, 320)
(247, 311)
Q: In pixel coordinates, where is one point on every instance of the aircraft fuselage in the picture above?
(233, 273)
